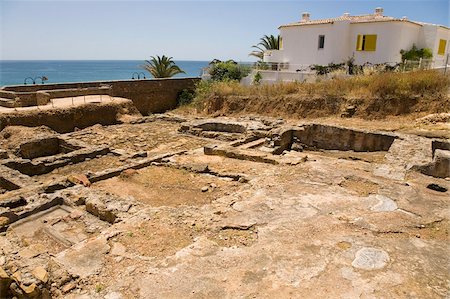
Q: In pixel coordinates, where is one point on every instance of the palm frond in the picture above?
(162, 67)
(267, 42)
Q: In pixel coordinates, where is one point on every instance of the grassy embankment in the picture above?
(374, 96)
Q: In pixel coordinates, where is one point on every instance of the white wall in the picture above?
(300, 44)
(441, 33)
(391, 38)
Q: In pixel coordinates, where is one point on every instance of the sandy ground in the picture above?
(66, 102)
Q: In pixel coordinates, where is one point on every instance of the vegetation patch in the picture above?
(374, 96)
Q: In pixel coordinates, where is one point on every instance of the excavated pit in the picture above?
(260, 145)
(44, 147)
(46, 164)
(58, 228)
(324, 137)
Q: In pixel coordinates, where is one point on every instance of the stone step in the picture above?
(9, 103)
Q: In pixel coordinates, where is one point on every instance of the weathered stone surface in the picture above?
(370, 259)
(439, 167)
(32, 251)
(385, 204)
(85, 258)
(240, 154)
(114, 295)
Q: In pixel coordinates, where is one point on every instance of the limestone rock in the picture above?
(41, 274)
(385, 204)
(80, 179)
(113, 295)
(68, 287)
(370, 259)
(31, 290)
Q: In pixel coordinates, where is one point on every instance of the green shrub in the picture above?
(415, 53)
(257, 78)
(228, 71)
(185, 97)
(325, 69)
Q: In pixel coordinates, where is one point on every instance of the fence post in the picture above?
(446, 63)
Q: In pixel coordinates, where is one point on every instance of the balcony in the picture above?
(273, 56)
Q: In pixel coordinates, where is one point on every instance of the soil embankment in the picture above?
(369, 97)
(304, 107)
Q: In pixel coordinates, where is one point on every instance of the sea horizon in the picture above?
(14, 72)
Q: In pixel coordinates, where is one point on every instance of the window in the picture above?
(280, 46)
(321, 41)
(442, 45)
(366, 42)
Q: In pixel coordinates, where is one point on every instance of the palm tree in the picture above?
(162, 67)
(266, 43)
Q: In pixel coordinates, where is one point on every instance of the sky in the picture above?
(185, 30)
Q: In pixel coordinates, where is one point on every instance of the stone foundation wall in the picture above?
(149, 96)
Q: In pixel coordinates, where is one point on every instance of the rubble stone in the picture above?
(41, 274)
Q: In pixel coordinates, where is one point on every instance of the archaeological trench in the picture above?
(169, 206)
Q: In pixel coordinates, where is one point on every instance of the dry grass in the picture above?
(378, 85)
(378, 94)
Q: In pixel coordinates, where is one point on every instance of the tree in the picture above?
(266, 43)
(162, 67)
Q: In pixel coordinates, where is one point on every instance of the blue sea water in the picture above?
(14, 72)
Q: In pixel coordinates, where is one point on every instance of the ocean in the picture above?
(14, 72)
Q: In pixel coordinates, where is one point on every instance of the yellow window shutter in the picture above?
(359, 42)
(280, 46)
(371, 42)
(442, 45)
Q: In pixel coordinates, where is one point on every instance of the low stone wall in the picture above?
(64, 120)
(149, 96)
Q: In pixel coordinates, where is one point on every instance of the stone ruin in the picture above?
(58, 227)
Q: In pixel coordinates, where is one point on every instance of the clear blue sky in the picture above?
(186, 30)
